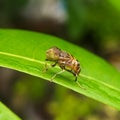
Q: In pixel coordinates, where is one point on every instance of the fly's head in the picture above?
(53, 54)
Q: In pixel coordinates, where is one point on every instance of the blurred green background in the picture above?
(91, 24)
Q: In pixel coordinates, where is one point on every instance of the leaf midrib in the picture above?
(21, 57)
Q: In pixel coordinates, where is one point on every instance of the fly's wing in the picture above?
(65, 56)
(65, 61)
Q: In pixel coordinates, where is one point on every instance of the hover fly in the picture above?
(64, 60)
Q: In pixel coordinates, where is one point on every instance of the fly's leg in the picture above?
(75, 78)
(78, 83)
(54, 64)
(57, 74)
(47, 66)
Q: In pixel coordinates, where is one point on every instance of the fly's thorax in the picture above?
(53, 54)
(64, 55)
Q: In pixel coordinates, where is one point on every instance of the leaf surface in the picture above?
(25, 51)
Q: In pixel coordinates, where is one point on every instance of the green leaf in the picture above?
(26, 52)
(6, 113)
